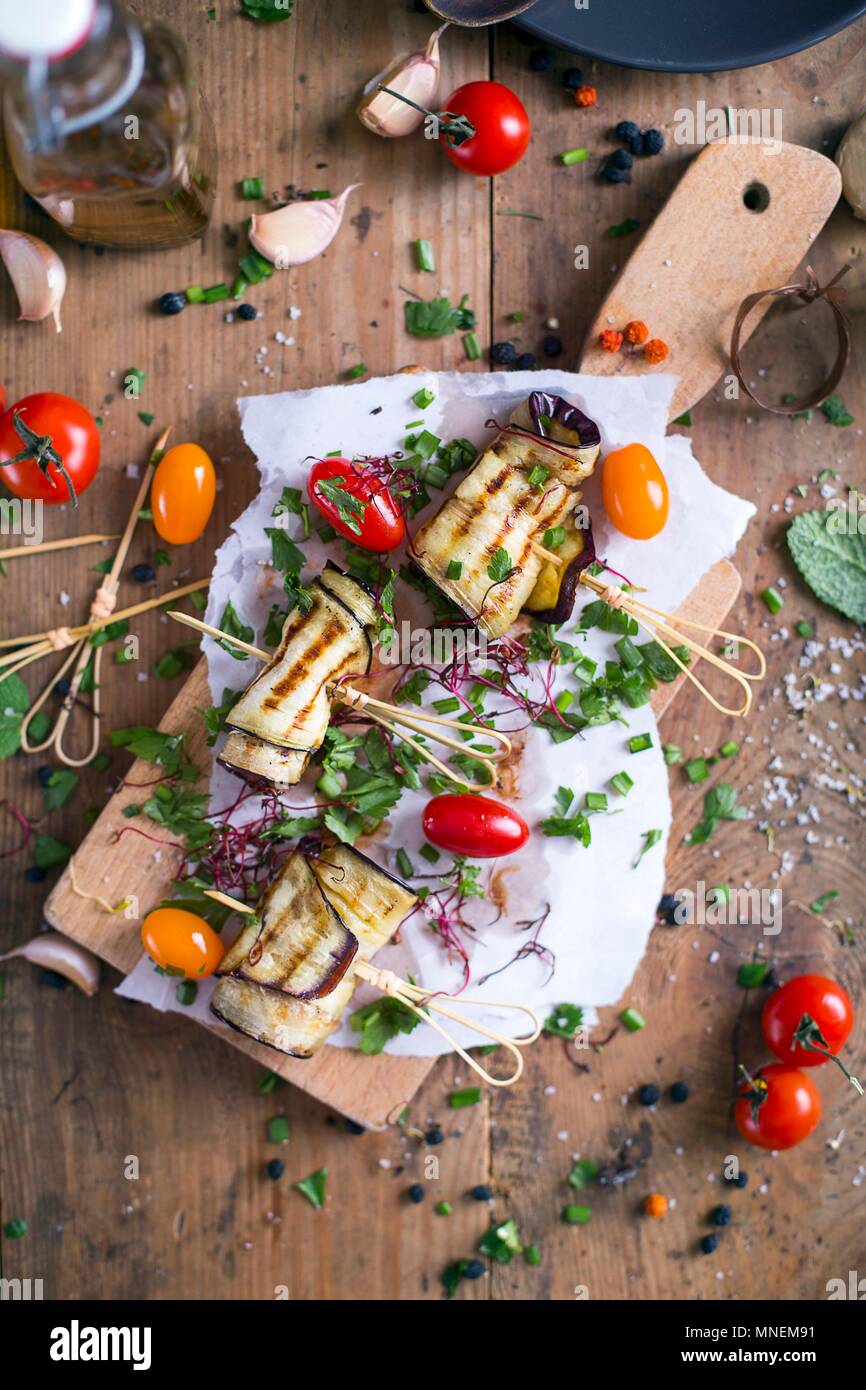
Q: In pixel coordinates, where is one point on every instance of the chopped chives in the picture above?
(804, 629)
(435, 475)
(729, 748)
(574, 1215)
(194, 294)
(595, 801)
(578, 156)
(538, 477)
(404, 864)
(553, 537)
(532, 1254)
(651, 837)
(622, 783)
(252, 187)
(820, 903)
(412, 424)
(185, 992)
(772, 598)
(628, 654)
(672, 753)
(255, 267)
(359, 369)
(696, 770)
(216, 292)
(563, 700)
(278, 1130)
(15, 1229)
(423, 398)
(632, 1020)
(516, 316)
(471, 344)
(316, 195)
(240, 286)
(448, 706)
(442, 1208)
(470, 1095)
(424, 254)
(751, 974)
(430, 854)
(639, 742)
(426, 443)
(454, 570)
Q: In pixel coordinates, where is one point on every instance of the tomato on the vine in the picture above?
(807, 1021)
(476, 826)
(181, 942)
(777, 1108)
(502, 128)
(49, 448)
(357, 504)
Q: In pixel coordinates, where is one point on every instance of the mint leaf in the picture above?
(48, 853)
(380, 1021)
(231, 624)
(831, 560)
(14, 700)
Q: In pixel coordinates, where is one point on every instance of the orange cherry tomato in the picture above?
(181, 941)
(635, 492)
(182, 494)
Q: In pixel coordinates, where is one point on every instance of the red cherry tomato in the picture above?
(61, 424)
(66, 436)
(635, 492)
(789, 1112)
(476, 826)
(357, 504)
(181, 942)
(182, 494)
(816, 999)
(502, 128)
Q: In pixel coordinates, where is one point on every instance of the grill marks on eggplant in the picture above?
(367, 903)
(496, 508)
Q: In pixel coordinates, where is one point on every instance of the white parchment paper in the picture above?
(601, 906)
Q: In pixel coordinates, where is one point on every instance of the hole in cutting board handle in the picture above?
(756, 197)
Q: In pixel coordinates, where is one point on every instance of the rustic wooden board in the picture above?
(113, 864)
(706, 250)
(86, 1082)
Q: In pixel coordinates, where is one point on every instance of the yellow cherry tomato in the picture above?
(635, 492)
(181, 941)
(182, 494)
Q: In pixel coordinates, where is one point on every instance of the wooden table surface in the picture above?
(87, 1083)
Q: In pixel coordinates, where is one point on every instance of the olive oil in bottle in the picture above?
(105, 124)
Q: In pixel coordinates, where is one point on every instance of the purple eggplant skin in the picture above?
(568, 586)
(557, 408)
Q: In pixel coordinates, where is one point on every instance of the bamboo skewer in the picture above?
(390, 717)
(67, 543)
(158, 601)
(102, 609)
(421, 1002)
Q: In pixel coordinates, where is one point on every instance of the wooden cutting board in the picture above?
(367, 1089)
(740, 220)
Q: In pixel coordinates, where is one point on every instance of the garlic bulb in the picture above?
(415, 76)
(38, 274)
(300, 231)
(67, 958)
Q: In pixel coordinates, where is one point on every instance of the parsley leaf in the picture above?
(564, 1021)
(215, 715)
(285, 554)
(380, 1021)
(436, 318)
(500, 566)
(168, 751)
(720, 803)
(59, 787)
(349, 508)
(49, 853)
(230, 623)
(836, 412)
(14, 701)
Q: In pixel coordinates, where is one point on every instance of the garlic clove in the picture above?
(414, 75)
(300, 231)
(38, 274)
(56, 952)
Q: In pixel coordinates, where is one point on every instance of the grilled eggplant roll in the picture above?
(371, 905)
(527, 481)
(281, 718)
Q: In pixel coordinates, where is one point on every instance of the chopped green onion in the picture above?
(632, 1020)
(553, 537)
(278, 1130)
(185, 992)
(15, 1229)
(404, 864)
(435, 475)
(574, 156)
(194, 294)
(430, 854)
(575, 1216)
(449, 706)
(772, 598)
(472, 347)
(239, 287)
(454, 570)
(651, 837)
(563, 700)
(672, 753)
(595, 801)
(358, 370)
(820, 903)
(426, 444)
(628, 654)
(538, 477)
(639, 742)
(326, 532)
(442, 1208)
(255, 267)
(423, 398)
(470, 1095)
(516, 316)
(135, 374)
(145, 417)
(729, 748)
(532, 1254)
(684, 419)
(622, 783)
(751, 974)
(804, 629)
(317, 195)
(252, 187)
(696, 770)
(424, 254)
(214, 293)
